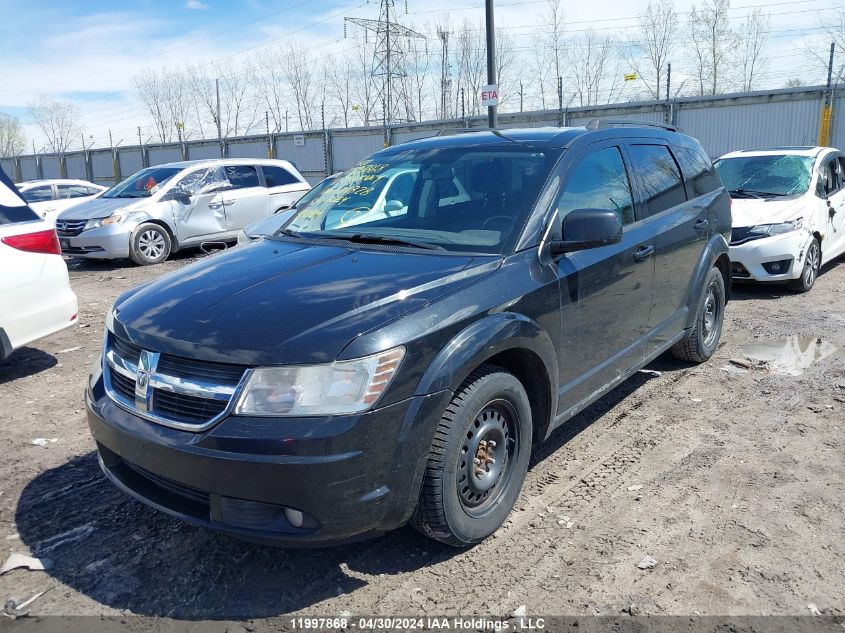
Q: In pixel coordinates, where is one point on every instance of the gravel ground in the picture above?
(729, 477)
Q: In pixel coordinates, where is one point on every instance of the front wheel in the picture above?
(149, 244)
(699, 345)
(477, 461)
(812, 263)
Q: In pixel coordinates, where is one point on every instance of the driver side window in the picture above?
(600, 181)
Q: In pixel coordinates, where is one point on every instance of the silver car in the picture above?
(168, 207)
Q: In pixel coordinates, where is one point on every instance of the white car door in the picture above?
(197, 204)
(247, 200)
(836, 210)
(41, 200)
(832, 215)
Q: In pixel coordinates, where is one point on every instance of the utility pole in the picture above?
(444, 69)
(286, 120)
(219, 127)
(144, 161)
(520, 96)
(269, 136)
(560, 100)
(463, 109)
(669, 114)
(827, 107)
(491, 59)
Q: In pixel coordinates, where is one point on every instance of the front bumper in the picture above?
(354, 476)
(748, 259)
(105, 242)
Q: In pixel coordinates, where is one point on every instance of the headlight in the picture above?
(338, 388)
(118, 217)
(778, 229)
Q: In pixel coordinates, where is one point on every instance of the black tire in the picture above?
(699, 345)
(812, 263)
(462, 503)
(149, 244)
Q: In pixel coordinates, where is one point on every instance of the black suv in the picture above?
(393, 352)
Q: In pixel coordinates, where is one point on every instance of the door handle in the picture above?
(228, 202)
(643, 253)
(215, 205)
(701, 226)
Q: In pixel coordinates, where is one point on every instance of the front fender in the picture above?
(716, 247)
(482, 340)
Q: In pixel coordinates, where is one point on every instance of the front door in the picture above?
(202, 217)
(835, 234)
(247, 200)
(606, 293)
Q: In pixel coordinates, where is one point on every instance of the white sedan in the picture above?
(48, 198)
(788, 207)
(35, 295)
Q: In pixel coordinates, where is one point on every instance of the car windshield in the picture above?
(766, 176)
(142, 184)
(468, 199)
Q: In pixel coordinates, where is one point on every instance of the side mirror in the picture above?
(179, 195)
(392, 206)
(587, 228)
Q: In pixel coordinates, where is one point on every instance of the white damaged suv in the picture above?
(788, 207)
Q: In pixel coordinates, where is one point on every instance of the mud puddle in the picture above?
(791, 355)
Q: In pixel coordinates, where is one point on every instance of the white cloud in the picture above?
(195, 4)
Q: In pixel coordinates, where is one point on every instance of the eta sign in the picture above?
(490, 95)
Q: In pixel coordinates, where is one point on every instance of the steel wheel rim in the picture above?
(812, 265)
(151, 244)
(711, 314)
(480, 483)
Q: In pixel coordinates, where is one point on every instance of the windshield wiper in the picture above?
(368, 238)
(288, 232)
(753, 193)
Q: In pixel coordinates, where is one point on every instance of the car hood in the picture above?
(750, 212)
(96, 208)
(276, 302)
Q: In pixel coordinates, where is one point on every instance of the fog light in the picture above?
(777, 268)
(294, 517)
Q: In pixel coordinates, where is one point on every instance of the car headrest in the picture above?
(491, 177)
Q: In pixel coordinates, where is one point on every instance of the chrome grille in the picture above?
(178, 392)
(70, 228)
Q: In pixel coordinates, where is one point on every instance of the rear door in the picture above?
(283, 186)
(247, 200)
(606, 293)
(680, 228)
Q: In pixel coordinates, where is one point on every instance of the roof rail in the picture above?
(449, 131)
(602, 124)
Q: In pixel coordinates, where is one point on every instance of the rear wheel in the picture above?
(812, 263)
(699, 345)
(149, 244)
(478, 459)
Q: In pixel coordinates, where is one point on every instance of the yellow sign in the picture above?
(824, 128)
(630, 76)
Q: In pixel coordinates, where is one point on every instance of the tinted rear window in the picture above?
(277, 176)
(659, 177)
(701, 178)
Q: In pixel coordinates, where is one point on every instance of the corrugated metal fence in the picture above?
(722, 124)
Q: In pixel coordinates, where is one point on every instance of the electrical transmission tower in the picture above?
(389, 54)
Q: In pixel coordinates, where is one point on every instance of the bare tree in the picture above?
(795, 82)
(711, 41)
(365, 90)
(340, 82)
(649, 50)
(12, 140)
(153, 93)
(594, 65)
(270, 85)
(238, 103)
(753, 34)
(505, 62)
(58, 121)
(299, 73)
(552, 42)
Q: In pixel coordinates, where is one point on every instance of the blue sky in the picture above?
(87, 51)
